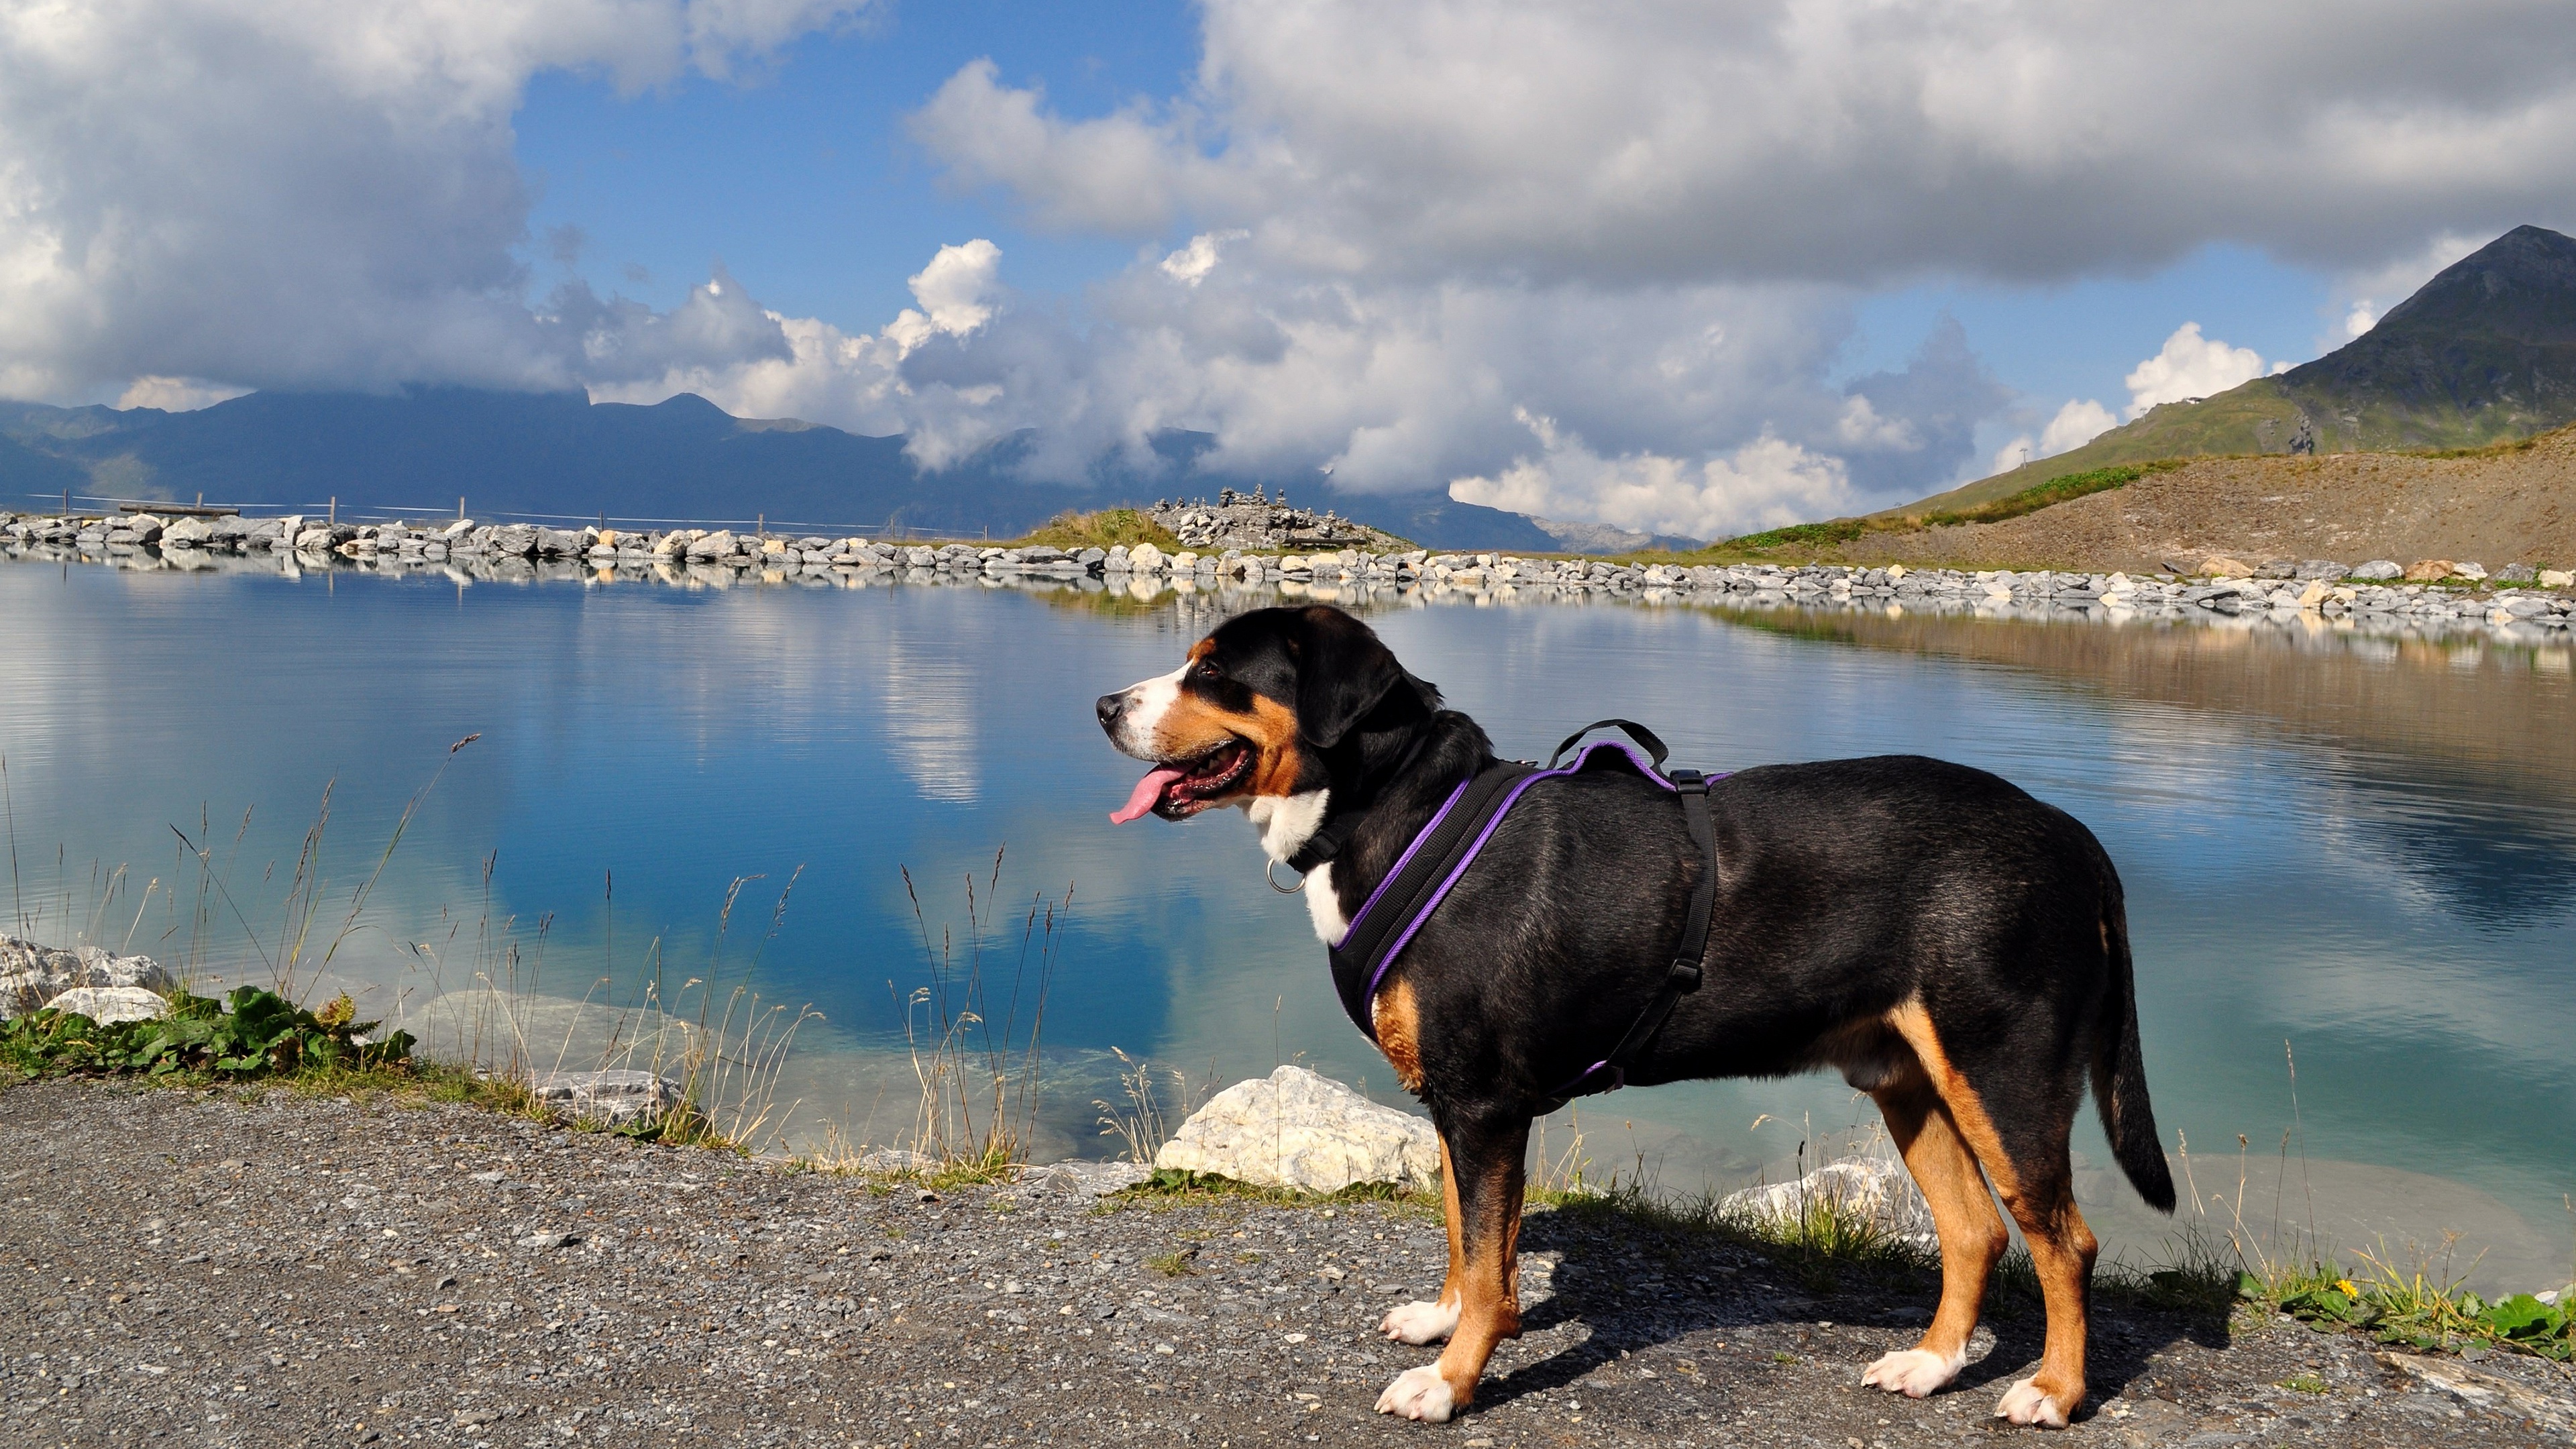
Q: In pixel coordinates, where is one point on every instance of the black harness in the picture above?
(1443, 849)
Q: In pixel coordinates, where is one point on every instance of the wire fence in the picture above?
(345, 511)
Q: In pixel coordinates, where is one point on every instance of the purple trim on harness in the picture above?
(1404, 860)
(1476, 847)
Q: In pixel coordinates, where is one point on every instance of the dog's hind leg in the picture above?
(1419, 1322)
(2036, 1183)
(1485, 1173)
(1963, 1213)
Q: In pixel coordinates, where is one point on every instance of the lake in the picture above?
(2347, 852)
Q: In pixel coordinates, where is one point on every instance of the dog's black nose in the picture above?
(1111, 706)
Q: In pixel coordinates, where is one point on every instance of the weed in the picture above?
(2306, 1384)
(1142, 1124)
(1175, 1264)
(252, 1033)
(979, 1086)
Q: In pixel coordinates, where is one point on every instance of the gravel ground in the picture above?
(281, 1270)
(2496, 510)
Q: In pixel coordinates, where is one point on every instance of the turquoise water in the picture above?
(2358, 851)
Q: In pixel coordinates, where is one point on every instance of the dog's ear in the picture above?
(1343, 670)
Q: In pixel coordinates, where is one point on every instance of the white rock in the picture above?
(1144, 558)
(108, 1005)
(1301, 1130)
(2557, 579)
(1877, 1189)
(32, 975)
(187, 533)
(613, 1097)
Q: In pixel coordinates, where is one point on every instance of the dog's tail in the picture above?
(2120, 1067)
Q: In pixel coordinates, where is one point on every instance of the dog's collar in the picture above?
(1335, 833)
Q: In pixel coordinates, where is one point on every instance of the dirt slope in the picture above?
(2502, 508)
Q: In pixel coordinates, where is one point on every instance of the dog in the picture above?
(1956, 948)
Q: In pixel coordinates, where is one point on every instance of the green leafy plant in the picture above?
(252, 1032)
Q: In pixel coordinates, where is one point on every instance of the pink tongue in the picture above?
(1148, 790)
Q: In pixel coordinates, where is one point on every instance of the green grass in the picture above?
(2413, 1306)
(1106, 528)
(2064, 488)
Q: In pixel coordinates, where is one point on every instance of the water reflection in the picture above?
(2360, 847)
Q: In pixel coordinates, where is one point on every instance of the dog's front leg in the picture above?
(1419, 1322)
(1482, 1159)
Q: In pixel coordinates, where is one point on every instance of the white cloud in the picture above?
(827, 375)
(176, 394)
(1191, 264)
(316, 194)
(1850, 140)
(2189, 366)
(2079, 422)
(1763, 484)
(1860, 426)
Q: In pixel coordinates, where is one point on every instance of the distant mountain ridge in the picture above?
(560, 454)
(2483, 353)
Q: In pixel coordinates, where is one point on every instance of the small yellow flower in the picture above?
(2349, 1291)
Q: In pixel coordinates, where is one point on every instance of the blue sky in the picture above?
(807, 186)
(1682, 265)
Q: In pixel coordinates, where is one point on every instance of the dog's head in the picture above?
(1255, 709)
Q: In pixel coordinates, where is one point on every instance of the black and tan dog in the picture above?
(1954, 947)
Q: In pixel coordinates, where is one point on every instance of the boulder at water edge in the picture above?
(108, 1005)
(1301, 1130)
(1875, 1190)
(33, 975)
(612, 1097)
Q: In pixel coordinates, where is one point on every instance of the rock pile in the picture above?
(1254, 523)
(32, 976)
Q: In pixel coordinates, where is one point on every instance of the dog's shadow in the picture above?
(1634, 1288)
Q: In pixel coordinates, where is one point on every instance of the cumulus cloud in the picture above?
(823, 373)
(319, 195)
(2079, 422)
(1763, 484)
(2189, 367)
(1845, 140)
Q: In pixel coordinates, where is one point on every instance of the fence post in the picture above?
(460, 508)
(335, 510)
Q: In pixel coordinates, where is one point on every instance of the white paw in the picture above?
(1912, 1372)
(1418, 1393)
(1420, 1323)
(2023, 1403)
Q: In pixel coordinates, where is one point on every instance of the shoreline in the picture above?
(434, 1274)
(2377, 597)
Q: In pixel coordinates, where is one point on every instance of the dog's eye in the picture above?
(1206, 670)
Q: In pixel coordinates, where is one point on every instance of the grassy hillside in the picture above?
(2484, 353)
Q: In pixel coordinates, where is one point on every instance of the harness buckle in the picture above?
(1684, 977)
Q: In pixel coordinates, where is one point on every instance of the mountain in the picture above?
(2483, 353)
(563, 456)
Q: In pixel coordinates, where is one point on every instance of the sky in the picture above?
(1694, 266)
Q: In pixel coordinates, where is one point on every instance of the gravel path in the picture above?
(204, 1269)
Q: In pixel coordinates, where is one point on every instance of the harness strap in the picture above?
(1684, 975)
(1420, 877)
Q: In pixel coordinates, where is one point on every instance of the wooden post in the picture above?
(760, 525)
(460, 508)
(335, 510)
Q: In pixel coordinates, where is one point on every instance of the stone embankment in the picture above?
(2381, 594)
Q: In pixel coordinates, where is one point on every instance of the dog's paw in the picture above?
(2023, 1403)
(1912, 1372)
(1419, 1393)
(1420, 1323)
